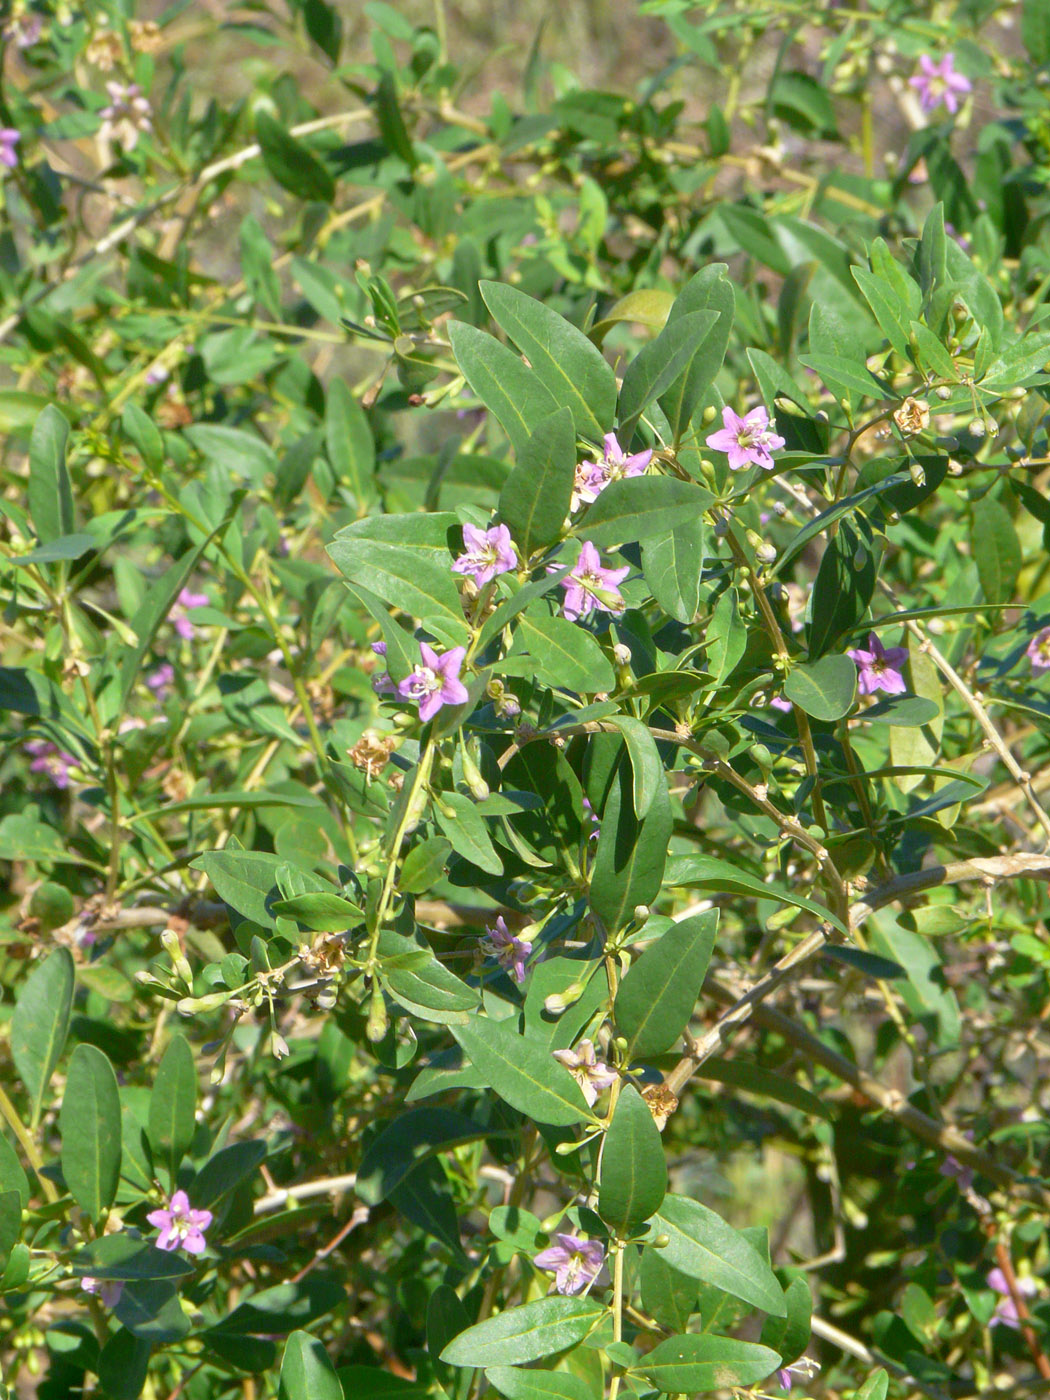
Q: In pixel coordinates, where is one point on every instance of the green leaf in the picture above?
(705, 872)
(667, 1294)
(657, 997)
(503, 382)
(565, 654)
(672, 563)
(902, 709)
(118, 1257)
(244, 456)
(521, 1384)
(23, 836)
(424, 865)
(428, 989)
(890, 312)
(647, 307)
(244, 880)
(790, 1335)
(1035, 35)
(755, 1080)
(708, 290)
(825, 689)
(306, 1372)
(464, 828)
(638, 506)
(695, 1365)
(349, 442)
(10, 1225)
(561, 356)
(280, 1308)
(122, 1365)
(657, 365)
(536, 495)
(634, 1173)
(525, 1074)
(647, 769)
(12, 1173)
(40, 1024)
(703, 1246)
(446, 1319)
(996, 550)
(63, 548)
(398, 558)
(629, 863)
(407, 1141)
(226, 1170)
(89, 1122)
(391, 123)
(50, 495)
(293, 165)
(524, 1334)
(173, 1106)
(842, 590)
(877, 1386)
(319, 911)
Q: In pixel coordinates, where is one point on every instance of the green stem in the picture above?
(419, 778)
(10, 1115)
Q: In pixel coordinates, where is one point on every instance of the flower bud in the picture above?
(661, 1241)
(378, 1020)
(944, 392)
(916, 473)
(622, 654)
(976, 427)
(192, 1006)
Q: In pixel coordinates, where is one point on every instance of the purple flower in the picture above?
(9, 139)
(180, 1226)
(1006, 1309)
(1038, 650)
(50, 759)
(108, 1291)
(591, 1074)
(594, 819)
(939, 82)
(381, 682)
(127, 115)
(591, 588)
(747, 439)
(24, 30)
(507, 948)
(879, 667)
(784, 1379)
(436, 682)
(160, 681)
(777, 702)
(157, 374)
(575, 1263)
(185, 603)
(593, 477)
(486, 553)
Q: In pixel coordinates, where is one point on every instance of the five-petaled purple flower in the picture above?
(127, 114)
(184, 604)
(108, 1291)
(747, 439)
(879, 668)
(591, 1074)
(486, 553)
(436, 682)
(50, 759)
(161, 680)
(593, 477)
(180, 1226)
(574, 1262)
(1038, 650)
(507, 948)
(1006, 1309)
(939, 82)
(590, 587)
(381, 682)
(9, 139)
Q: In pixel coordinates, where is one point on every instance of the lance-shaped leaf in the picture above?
(634, 1173)
(173, 1106)
(525, 1334)
(49, 491)
(657, 365)
(89, 1122)
(523, 1072)
(657, 997)
(695, 1365)
(638, 506)
(571, 367)
(406, 1142)
(503, 382)
(706, 872)
(536, 495)
(517, 1383)
(348, 439)
(40, 1024)
(702, 1245)
(629, 863)
(306, 1371)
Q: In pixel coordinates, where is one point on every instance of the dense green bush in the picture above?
(526, 645)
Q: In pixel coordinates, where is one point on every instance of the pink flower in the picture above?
(180, 1226)
(777, 702)
(784, 1379)
(593, 477)
(594, 819)
(1006, 1309)
(486, 553)
(590, 1073)
(160, 681)
(590, 587)
(879, 668)
(108, 1291)
(1038, 650)
(938, 82)
(24, 30)
(507, 948)
(157, 374)
(185, 603)
(9, 139)
(747, 439)
(127, 115)
(381, 682)
(50, 759)
(436, 682)
(575, 1263)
